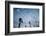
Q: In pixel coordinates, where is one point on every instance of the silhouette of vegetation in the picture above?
(37, 23)
(20, 21)
(30, 23)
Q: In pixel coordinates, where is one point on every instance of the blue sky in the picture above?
(27, 14)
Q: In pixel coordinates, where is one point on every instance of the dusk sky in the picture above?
(27, 14)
